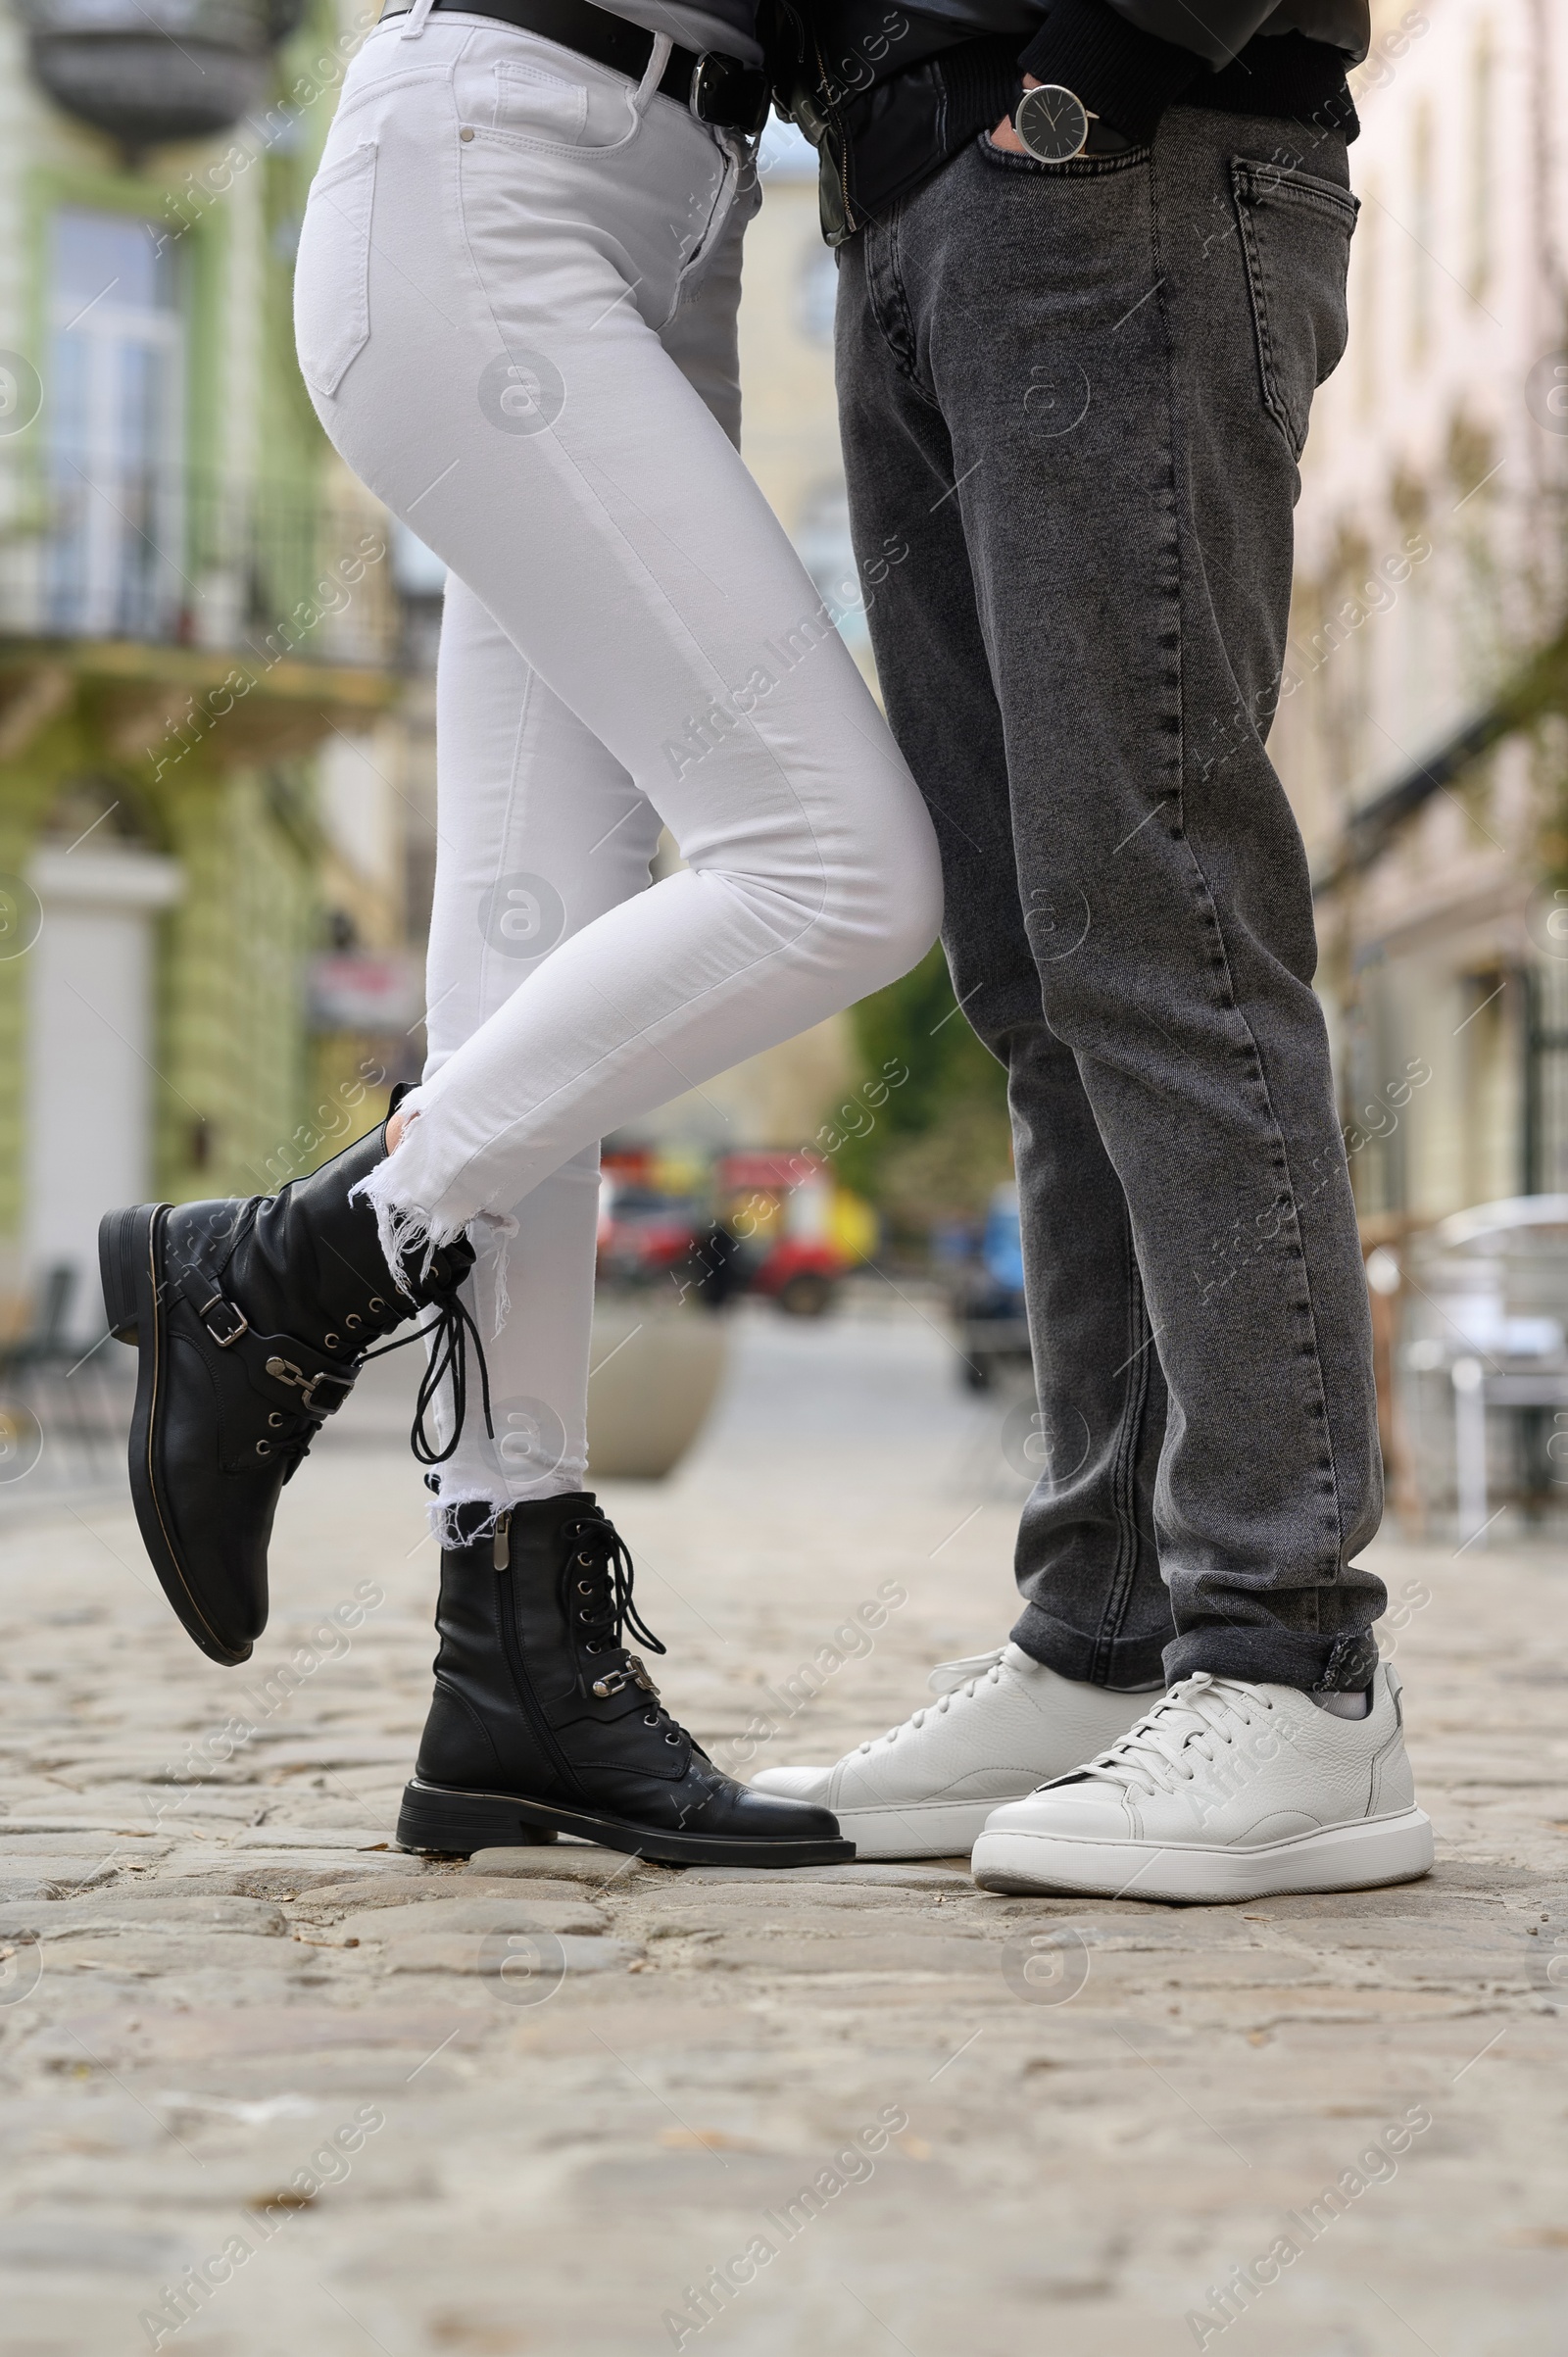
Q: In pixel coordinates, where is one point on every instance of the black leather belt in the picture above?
(718, 89)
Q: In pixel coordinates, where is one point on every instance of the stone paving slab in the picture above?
(271, 2089)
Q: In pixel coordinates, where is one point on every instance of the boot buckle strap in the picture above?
(240, 1323)
(618, 1681)
(284, 1370)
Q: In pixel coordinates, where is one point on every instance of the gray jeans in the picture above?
(1076, 395)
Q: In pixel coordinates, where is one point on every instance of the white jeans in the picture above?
(516, 311)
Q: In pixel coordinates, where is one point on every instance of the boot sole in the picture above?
(1340, 1857)
(438, 1818)
(127, 1263)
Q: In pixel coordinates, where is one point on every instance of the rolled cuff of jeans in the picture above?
(1126, 1664)
(1124, 76)
(1265, 1655)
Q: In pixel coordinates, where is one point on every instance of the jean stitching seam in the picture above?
(904, 349)
(1257, 288)
(1305, 1303)
(1123, 1481)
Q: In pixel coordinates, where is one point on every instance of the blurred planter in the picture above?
(147, 71)
(658, 1373)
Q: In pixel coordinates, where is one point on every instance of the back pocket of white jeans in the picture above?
(1295, 234)
(539, 106)
(332, 271)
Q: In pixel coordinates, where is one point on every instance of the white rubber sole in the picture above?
(1340, 1857)
(923, 1828)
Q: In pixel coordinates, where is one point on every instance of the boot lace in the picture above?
(454, 1327)
(1198, 1719)
(597, 1580)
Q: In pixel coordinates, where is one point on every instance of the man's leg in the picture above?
(1096, 1617)
(1119, 351)
(1087, 1563)
(1122, 357)
(1107, 367)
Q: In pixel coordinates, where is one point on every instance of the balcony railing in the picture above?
(100, 549)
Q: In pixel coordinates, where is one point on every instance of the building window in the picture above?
(1545, 1124)
(1422, 230)
(1483, 77)
(116, 430)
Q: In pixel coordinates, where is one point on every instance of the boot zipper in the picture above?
(501, 1544)
(543, 1733)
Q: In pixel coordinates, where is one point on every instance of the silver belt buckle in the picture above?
(701, 77)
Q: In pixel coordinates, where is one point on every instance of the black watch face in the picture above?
(1051, 124)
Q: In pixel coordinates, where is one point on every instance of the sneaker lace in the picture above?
(1191, 1723)
(990, 1676)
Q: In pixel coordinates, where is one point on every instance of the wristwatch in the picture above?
(1052, 124)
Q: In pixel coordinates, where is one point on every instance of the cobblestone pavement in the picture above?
(324, 2099)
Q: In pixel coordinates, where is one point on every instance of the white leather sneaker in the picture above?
(1223, 1790)
(1002, 1721)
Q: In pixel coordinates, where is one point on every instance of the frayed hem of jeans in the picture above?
(444, 1511)
(406, 1234)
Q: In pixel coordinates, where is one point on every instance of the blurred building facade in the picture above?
(198, 624)
(1421, 729)
(216, 714)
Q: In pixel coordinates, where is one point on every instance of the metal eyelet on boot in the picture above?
(331, 1342)
(673, 1738)
(650, 1718)
(376, 1303)
(263, 1448)
(350, 1321)
(274, 1419)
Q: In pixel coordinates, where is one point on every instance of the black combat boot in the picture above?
(544, 1723)
(251, 1319)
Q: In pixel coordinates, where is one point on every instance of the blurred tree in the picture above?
(941, 1140)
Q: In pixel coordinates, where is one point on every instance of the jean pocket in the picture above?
(1075, 167)
(1296, 235)
(332, 271)
(539, 105)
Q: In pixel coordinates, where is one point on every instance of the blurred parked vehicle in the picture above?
(777, 1225)
(645, 1234)
(797, 1231)
(988, 1298)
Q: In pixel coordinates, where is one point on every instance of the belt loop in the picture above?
(654, 74)
(416, 17)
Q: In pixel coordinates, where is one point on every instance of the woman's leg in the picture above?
(523, 787)
(523, 791)
(514, 401)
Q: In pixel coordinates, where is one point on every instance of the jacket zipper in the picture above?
(850, 225)
(828, 137)
(543, 1733)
